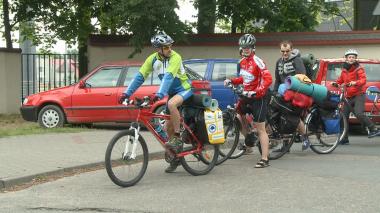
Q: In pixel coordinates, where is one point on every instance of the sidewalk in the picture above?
(23, 158)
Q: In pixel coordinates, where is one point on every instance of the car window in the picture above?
(105, 77)
(131, 73)
(192, 75)
(372, 71)
(223, 71)
(333, 71)
(200, 68)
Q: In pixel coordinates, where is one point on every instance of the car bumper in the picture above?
(29, 113)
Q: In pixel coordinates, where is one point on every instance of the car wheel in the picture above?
(160, 110)
(51, 116)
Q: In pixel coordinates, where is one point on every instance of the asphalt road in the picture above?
(348, 180)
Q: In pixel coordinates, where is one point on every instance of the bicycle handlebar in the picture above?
(145, 102)
(239, 90)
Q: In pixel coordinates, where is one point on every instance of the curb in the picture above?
(10, 182)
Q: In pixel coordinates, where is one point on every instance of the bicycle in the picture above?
(279, 143)
(375, 109)
(320, 141)
(127, 155)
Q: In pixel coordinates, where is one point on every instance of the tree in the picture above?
(271, 16)
(206, 15)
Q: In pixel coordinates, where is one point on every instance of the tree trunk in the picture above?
(7, 25)
(206, 16)
(84, 30)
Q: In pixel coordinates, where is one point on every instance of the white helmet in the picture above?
(351, 52)
(161, 39)
(247, 40)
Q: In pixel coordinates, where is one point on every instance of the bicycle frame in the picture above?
(144, 116)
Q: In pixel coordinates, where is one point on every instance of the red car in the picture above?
(95, 97)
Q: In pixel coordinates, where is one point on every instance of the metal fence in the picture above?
(42, 72)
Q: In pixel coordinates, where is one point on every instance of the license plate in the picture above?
(203, 92)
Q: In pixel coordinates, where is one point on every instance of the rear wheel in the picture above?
(240, 147)
(124, 168)
(320, 142)
(200, 163)
(279, 144)
(51, 116)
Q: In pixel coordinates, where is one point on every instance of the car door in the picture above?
(98, 100)
(146, 89)
(220, 71)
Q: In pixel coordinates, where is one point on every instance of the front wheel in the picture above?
(51, 116)
(231, 134)
(200, 163)
(320, 142)
(126, 158)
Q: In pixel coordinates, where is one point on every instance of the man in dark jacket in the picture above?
(290, 64)
(353, 77)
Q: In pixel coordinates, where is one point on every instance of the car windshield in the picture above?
(372, 71)
(192, 75)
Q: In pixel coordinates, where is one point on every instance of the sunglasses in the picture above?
(166, 47)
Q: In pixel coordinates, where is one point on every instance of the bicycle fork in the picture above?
(129, 154)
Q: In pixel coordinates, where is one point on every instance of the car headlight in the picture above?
(25, 101)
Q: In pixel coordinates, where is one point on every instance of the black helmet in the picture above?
(161, 39)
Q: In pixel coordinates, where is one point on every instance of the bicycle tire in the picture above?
(320, 142)
(117, 168)
(227, 149)
(240, 148)
(200, 163)
(279, 144)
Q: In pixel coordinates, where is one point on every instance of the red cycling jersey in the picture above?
(254, 75)
(357, 74)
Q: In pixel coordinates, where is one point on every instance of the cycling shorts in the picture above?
(258, 108)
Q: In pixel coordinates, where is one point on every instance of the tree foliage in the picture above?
(206, 15)
(272, 16)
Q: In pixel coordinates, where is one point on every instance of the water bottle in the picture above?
(161, 132)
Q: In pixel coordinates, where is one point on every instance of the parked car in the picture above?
(328, 70)
(216, 71)
(94, 98)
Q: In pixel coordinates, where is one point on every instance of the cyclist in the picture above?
(290, 64)
(256, 80)
(167, 64)
(353, 77)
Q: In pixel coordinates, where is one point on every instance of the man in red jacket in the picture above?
(354, 78)
(256, 80)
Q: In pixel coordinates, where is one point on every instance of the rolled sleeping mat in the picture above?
(201, 100)
(282, 89)
(308, 59)
(318, 92)
(214, 105)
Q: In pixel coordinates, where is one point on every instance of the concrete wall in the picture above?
(10, 80)
(269, 53)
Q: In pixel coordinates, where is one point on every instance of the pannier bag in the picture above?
(331, 121)
(331, 102)
(288, 123)
(209, 126)
(279, 104)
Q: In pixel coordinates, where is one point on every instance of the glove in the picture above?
(249, 94)
(334, 84)
(123, 97)
(157, 97)
(227, 82)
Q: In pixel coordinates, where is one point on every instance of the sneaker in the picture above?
(248, 150)
(172, 166)
(305, 143)
(373, 133)
(344, 142)
(262, 164)
(174, 143)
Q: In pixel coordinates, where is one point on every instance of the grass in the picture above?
(14, 124)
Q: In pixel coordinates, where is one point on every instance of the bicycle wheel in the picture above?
(320, 142)
(200, 163)
(279, 144)
(240, 147)
(123, 167)
(228, 148)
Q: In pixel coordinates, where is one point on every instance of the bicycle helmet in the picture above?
(161, 39)
(247, 40)
(351, 52)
